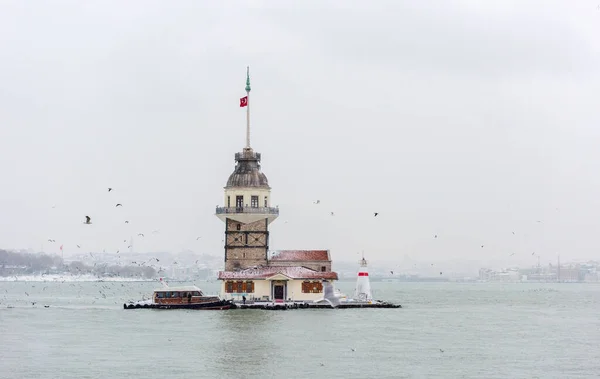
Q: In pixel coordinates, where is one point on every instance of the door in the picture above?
(239, 201)
(278, 292)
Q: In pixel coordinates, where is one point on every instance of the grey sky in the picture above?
(465, 119)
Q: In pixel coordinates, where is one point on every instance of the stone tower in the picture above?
(247, 210)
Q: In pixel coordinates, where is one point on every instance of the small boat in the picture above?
(186, 297)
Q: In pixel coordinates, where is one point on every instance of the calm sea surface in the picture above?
(485, 330)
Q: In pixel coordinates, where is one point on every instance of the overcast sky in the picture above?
(468, 120)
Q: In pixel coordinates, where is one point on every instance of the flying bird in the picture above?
(375, 214)
(141, 234)
(119, 205)
(109, 189)
(441, 350)
(51, 240)
(88, 220)
(127, 222)
(435, 236)
(155, 231)
(392, 272)
(78, 246)
(317, 202)
(332, 214)
(197, 238)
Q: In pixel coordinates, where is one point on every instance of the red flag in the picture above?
(243, 101)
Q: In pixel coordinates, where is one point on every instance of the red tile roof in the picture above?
(301, 255)
(264, 272)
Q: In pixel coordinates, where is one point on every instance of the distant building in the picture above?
(247, 213)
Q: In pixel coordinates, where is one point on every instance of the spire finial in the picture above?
(248, 79)
(248, 107)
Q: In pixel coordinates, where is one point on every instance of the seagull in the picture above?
(375, 214)
(332, 214)
(109, 189)
(533, 253)
(435, 236)
(352, 349)
(127, 222)
(51, 240)
(141, 234)
(197, 238)
(88, 220)
(513, 232)
(317, 202)
(392, 272)
(441, 350)
(482, 246)
(119, 205)
(78, 246)
(511, 254)
(440, 273)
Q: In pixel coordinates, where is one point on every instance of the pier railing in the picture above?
(250, 210)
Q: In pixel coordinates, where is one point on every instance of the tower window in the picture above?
(265, 201)
(239, 226)
(323, 268)
(228, 201)
(239, 201)
(254, 201)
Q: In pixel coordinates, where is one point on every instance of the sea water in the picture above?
(444, 330)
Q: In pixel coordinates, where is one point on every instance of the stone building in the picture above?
(247, 212)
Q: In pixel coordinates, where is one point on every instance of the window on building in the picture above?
(265, 201)
(246, 236)
(254, 201)
(244, 255)
(312, 287)
(323, 268)
(239, 201)
(239, 226)
(228, 201)
(239, 287)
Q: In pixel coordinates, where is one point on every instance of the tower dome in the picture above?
(247, 172)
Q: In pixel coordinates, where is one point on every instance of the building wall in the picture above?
(263, 288)
(243, 248)
(315, 265)
(247, 193)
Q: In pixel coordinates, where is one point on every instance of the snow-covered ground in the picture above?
(69, 278)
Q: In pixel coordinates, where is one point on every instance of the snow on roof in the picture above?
(264, 272)
(301, 255)
(182, 289)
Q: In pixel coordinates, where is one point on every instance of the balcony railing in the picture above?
(247, 156)
(251, 210)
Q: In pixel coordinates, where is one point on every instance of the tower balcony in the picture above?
(247, 214)
(252, 210)
(247, 155)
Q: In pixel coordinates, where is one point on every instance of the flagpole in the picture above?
(248, 107)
